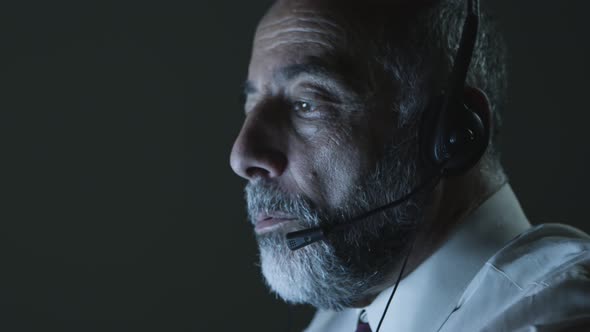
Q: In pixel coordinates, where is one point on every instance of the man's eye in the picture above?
(302, 106)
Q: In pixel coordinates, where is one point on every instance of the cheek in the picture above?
(335, 169)
(329, 161)
(344, 168)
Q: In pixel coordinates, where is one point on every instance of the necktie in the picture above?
(363, 325)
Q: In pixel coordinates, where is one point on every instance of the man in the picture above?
(335, 109)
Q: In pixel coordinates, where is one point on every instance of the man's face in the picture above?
(319, 145)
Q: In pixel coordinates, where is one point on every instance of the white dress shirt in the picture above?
(494, 273)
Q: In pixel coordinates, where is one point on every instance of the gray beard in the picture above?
(349, 266)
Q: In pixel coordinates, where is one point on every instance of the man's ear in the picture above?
(477, 101)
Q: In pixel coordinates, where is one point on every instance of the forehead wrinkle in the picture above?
(263, 26)
(277, 33)
(298, 31)
(315, 19)
(297, 41)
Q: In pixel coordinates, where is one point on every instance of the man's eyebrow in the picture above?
(343, 76)
(291, 72)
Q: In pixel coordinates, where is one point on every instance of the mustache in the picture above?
(263, 196)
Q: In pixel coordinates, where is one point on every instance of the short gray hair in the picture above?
(488, 66)
(417, 51)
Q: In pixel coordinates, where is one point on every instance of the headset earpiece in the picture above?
(453, 136)
(459, 141)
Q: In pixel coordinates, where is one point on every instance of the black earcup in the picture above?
(452, 140)
(454, 137)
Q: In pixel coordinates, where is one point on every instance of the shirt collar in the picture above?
(427, 296)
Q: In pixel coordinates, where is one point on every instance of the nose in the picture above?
(256, 151)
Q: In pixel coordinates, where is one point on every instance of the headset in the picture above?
(454, 137)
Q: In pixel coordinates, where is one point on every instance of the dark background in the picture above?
(119, 211)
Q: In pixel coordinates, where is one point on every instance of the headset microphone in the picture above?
(300, 239)
(453, 138)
